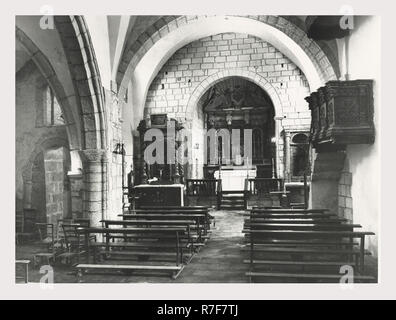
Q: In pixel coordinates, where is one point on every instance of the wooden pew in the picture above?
(310, 235)
(176, 210)
(152, 237)
(304, 223)
(190, 243)
(297, 234)
(25, 265)
(306, 226)
(291, 215)
(307, 276)
(201, 219)
(283, 210)
(296, 221)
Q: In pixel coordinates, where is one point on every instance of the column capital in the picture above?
(93, 155)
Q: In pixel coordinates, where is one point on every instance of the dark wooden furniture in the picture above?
(159, 196)
(201, 187)
(342, 113)
(153, 242)
(25, 265)
(258, 186)
(46, 234)
(309, 245)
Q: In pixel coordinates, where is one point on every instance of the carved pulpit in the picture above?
(342, 114)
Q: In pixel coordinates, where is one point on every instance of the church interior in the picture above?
(197, 149)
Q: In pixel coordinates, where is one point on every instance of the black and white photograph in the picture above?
(197, 148)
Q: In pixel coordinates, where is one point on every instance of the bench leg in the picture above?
(362, 245)
(26, 273)
(176, 274)
(79, 275)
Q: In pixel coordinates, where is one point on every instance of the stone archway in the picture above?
(251, 76)
(48, 72)
(45, 183)
(141, 68)
(166, 25)
(83, 106)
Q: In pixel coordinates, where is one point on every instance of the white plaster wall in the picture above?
(99, 32)
(364, 160)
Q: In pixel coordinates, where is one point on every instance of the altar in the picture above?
(233, 178)
(159, 195)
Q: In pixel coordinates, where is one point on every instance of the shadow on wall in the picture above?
(365, 168)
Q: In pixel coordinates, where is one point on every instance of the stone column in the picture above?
(27, 194)
(287, 156)
(325, 180)
(94, 185)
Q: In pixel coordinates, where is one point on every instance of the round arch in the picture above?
(27, 171)
(248, 75)
(236, 72)
(141, 63)
(84, 101)
(76, 41)
(48, 72)
(167, 24)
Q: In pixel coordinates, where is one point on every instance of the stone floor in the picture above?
(220, 261)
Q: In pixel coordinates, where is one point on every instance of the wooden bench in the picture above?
(25, 265)
(84, 268)
(283, 210)
(192, 208)
(189, 224)
(307, 276)
(177, 210)
(149, 250)
(296, 221)
(266, 215)
(305, 226)
(313, 239)
(200, 219)
(310, 235)
(302, 263)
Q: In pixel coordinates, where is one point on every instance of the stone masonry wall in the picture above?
(31, 134)
(54, 184)
(192, 64)
(345, 207)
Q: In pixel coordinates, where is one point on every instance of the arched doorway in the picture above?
(241, 115)
(47, 190)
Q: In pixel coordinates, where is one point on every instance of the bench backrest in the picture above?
(150, 222)
(324, 227)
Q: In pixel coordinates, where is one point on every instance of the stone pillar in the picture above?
(178, 161)
(94, 185)
(325, 180)
(287, 156)
(27, 194)
(277, 162)
(76, 192)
